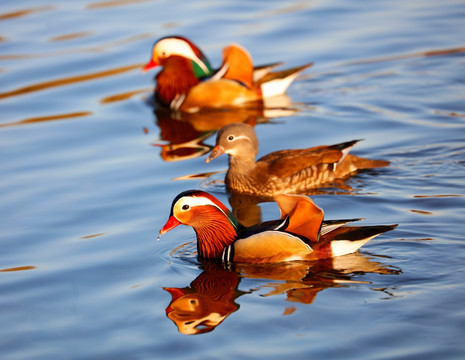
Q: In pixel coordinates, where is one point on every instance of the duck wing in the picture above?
(286, 163)
(303, 216)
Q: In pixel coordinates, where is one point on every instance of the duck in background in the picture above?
(289, 171)
(188, 83)
(300, 234)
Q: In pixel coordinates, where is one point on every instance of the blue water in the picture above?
(84, 189)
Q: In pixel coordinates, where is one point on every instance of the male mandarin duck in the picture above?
(300, 234)
(188, 83)
(290, 171)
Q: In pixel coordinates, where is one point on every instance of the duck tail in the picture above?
(276, 83)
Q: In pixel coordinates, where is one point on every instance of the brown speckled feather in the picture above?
(289, 162)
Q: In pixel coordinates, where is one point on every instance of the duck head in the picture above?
(179, 46)
(238, 140)
(214, 224)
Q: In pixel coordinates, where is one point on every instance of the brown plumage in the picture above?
(285, 171)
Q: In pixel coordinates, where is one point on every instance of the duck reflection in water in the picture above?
(182, 135)
(210, 298)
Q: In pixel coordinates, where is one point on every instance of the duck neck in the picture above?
(176, 78)
(216, 232)
(242, 164)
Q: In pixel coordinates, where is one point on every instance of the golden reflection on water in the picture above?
(47, 118)
(449, 113)
(435, 196)
(122, 96)
(67, 81)
(71, 36)
(113, 3)
(422, 212)
(91, 236)
(24, 12)
(18, 268)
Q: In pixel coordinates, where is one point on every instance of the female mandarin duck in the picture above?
(300, 234)
(188, 82)
(291, 171)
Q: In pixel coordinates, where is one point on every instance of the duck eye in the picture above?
(185, 207)
(230, 137)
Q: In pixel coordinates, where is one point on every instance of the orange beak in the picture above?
(217, 151)
(150, 65)
(170, 225)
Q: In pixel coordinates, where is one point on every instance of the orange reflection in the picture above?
(91, 236)
(422, 212)
(19, 268)
(21, 13)
(301, 282)
(204, 304)
(435, 196)
(183, 134)
(71, 36)
(47, 118)
(121, 96)
(210, 298)
(67, 81)
(113, 3)
(449, 113)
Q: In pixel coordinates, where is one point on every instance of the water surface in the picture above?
(86, 183)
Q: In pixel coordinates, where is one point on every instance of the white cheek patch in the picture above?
(178, 47)
(192, 201)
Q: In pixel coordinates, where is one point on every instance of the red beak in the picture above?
(170, 225)
(151, 64)
(176, 293)
(217, 151)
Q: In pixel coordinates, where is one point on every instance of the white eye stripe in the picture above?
(179, 47)
(237, 137)
(192, 201)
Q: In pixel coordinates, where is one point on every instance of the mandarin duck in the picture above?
(188, 83)
(300, 234)
(290, 171)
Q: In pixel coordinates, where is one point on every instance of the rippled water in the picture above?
(84, 189)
